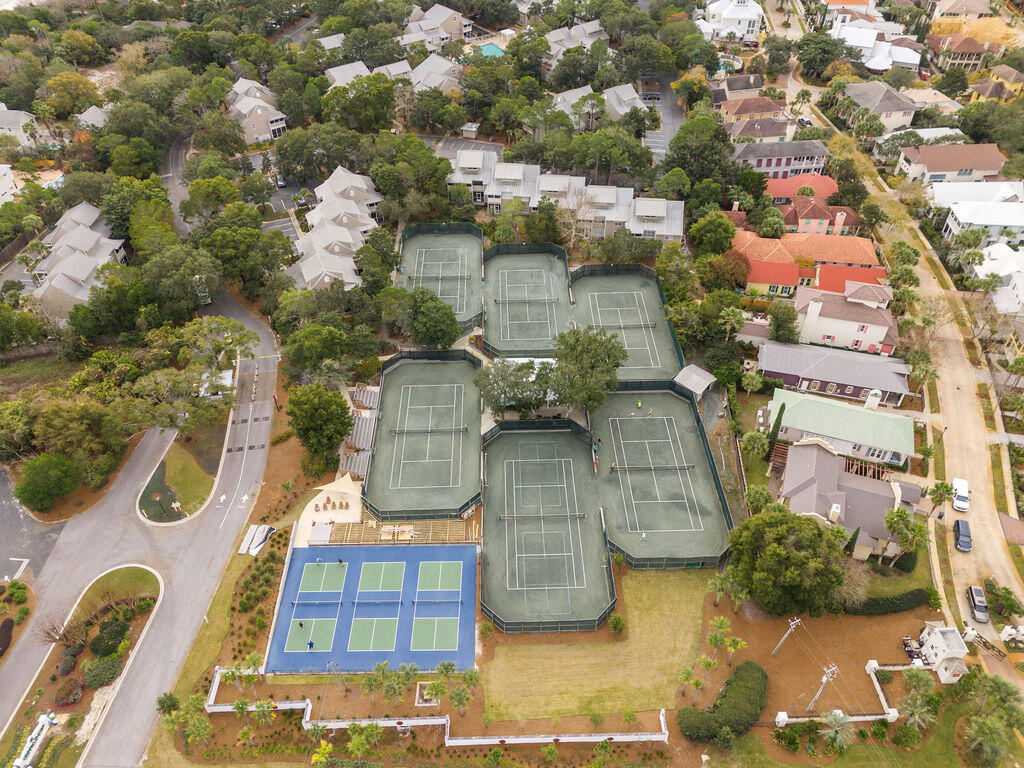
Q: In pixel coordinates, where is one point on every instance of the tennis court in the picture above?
(656, 483)
(544, 554)
(448, 265)
(360, 605)
(526, 304)
(427, 442)
(630, 307)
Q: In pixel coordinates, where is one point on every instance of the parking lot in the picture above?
(449, 147)
(671, 118)
(282, 197)
(285, 225)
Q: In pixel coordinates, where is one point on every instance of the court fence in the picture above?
(411, 515)
(537, 425)
(449, 228)
(403, 724)
(527, 249)
(636, 270)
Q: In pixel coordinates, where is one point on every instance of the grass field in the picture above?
(191, 484)
(939, 273)
(998, 481)
(754, 467)
(940, 454)
(39, 370)
(946, 573)
(121, 582)
(933, 397)
(986, 407)
(919, 578)
(936, 751)
(664, 615)
(205, 444)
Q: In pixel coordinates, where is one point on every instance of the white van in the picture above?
(961, 495)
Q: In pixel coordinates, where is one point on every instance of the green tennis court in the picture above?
(301, 632)
(376, 577)
(373, 634)
(435, 634)
(440, 575)
(322, 577)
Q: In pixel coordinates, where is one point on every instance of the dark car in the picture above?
(979, 605)
(962, 535)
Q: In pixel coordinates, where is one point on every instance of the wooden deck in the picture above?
(370, 531)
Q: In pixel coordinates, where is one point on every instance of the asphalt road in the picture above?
(171, 173)
(189, 557)
(671, 118)
(26, 543)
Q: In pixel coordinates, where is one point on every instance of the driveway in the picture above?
(672, 117)
(285, 225)
(189, 557)
(171, 173)
(26, 543)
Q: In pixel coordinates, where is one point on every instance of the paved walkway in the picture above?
(190, 557)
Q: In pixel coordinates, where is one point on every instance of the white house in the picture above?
(736, 20)
(435, 27)
(562, 39)
(944, 193)
(944, 650)
(16, 123)
(342, 75)
(859, 318)
(950, 162)
(618, 100)
(436, 72)
(876, 52)
(94, 116)
(8, 184)
(331, 42)
(999, 222)
(254, 106)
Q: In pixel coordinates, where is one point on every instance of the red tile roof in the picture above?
(820, 249)
(773, 273)
(823, 186)
(816, 208)
(833, 277)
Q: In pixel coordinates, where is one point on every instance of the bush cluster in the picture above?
(256, 585)
(66, 665)
(6, 633)
(787, 738)
(74, 650)
(739, 704)
(69, 692)
(111, 634)
(280, 437)
(145, 605)
(102, 671)
(877, 606)
(906, 562)
(18, 592)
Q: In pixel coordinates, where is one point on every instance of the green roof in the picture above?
(843, 421)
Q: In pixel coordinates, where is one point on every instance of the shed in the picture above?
(695, 379)
(944, 650)
(469, 130)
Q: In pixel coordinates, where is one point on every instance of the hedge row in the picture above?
(877, 606)
(102, 671)
(6, 633)
(111, 634)
(738, 706)
(52, 752)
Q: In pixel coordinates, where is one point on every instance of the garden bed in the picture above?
(17, 603)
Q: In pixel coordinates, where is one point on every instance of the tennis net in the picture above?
(553, 300)
(420, 276)
(549, 516)
(428, 430)
(626, 325)
(649, 467)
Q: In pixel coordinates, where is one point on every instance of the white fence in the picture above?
(449, 741)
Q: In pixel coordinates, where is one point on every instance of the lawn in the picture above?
(123, 581)
(205, 443)
(182, 473)
(919, 578)
(946, 571)
(937, 750)
(754, 467)
(664, 614)
(933, 397)
(998, 481)
(39, 370)
(939, 272)
(986, 407)
(940, 454)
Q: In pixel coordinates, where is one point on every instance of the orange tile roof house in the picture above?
(834, 277)
(799, 246)
(784, 190)
(752, 107)
(959, 50)
(950, 162)
(814, 215)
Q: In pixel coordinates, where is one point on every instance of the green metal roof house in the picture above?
(860, 431)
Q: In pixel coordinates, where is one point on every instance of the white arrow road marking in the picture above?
(21, 568)
(241, 469)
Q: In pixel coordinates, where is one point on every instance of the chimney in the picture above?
(873, 399)
(837, 228)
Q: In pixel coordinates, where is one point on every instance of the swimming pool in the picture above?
(491, 50)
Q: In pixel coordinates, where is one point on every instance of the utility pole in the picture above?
(793, 624)
(831, 673)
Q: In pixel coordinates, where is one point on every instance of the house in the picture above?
(807, 249)
(943, 194)
(837, 372)
(838, 9)
(1003, 262)
(857, 431)
(8, 184)
(600, 210)
(998, 222)
(395, 70)
(815, 216)
(784, 190)
(817, 484)
(781, 159)
(1004, 84)
(967, 9)
(341, 76)
(893, 108)
(859, 318)
(17, 123)
(959, 50)
(752, 107)
(943, 650)
(887, 147)
(760, 129)
(331, 42)
(79, 247)
(732, 20)
(876, 52)
(338, 225)
(619, 99)
(435, 27)
(255, 107)
(95, 117)
(562, 39)
(835, 277)
(1013, 347)
(929, 98)
(942, 162)
(529, 11)
(735, 87)
(436, 72)
(1009, 76)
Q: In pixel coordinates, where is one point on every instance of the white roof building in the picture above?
(16, 123)
(944, 193)
(330, 42)
(618, 100)
(338, 228)
(436, 72)
(8, 184)
(732, 20)
(562, 39)
(998, 221)
(94, 116)
(435, 27)
(342, 75)
(926, 98)
(255, 107)
(876, 52)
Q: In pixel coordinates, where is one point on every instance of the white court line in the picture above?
(640, 307)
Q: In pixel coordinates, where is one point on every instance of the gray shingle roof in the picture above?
(888, 374)
(782, 149)
(879, 97)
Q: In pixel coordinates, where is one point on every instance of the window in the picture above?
(964, 172)
(826, 337)
(856, 344)
(773, 289)
(831, 388)
(786, 290)
(758, 164)
(862, 328)
(864, 392)
(856, 446)
(849, 390)
(815, 385)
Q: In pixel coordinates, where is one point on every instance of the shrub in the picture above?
(6, 633)
(111, 633)
(883, 676)
(617, 623)
(145, 605)
(906, 737)
(66, 665)
(739, 704)
(880, 729)
(69, 692)
(45, 479)
(877, 606)
(74, 650)
(23, 613)
(127, 614)
(102, 671)
(280, 437)
(18, 592)
(725, 739)
(906, 562)
(788, 738)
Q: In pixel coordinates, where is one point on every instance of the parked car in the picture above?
(750, 43)
(279, 181)
(962, 535)
(961, 495)
(979, 605)
(804, 122)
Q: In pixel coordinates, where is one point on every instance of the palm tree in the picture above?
(471, 677)
(737, 592)
(734, 644)
(915, 708)
(753, 443)
(408, 673)
(731, 319)
(459, 698)
(719, 584)
(707, 664)
(241, 708)
(371, 685)
(717, 641)
(392, 687)
(719, 625)
(263, 712)
(323, 753)
(446, 669)
(919, 681)
(373, 732)
(986, 739)
(232, 675)
(436, 690)
(316, 732)
(287, 487)
(357, 745)
(912, 538)
(245, 734)
(836, 729)
(896, 521)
